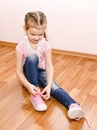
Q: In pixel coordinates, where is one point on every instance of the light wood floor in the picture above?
(77, 75)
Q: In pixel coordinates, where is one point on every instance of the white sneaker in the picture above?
(38, 102)
(75, 112)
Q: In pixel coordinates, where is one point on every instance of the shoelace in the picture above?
(87, 121)
(38, 99)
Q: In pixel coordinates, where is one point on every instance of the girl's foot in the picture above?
(38, 103)
(75, 112)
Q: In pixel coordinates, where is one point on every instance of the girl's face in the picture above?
(35, 34)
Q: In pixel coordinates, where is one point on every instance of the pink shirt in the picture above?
(25, 49)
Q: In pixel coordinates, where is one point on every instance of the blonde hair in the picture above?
(34, 19)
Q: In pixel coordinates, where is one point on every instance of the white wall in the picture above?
(72, 24)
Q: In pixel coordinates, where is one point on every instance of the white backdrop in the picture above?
(72, 24)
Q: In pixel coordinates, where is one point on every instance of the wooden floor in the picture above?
(76, 75)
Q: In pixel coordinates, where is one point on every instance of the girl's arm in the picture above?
(49, 74)
(19, 69)
(49, 68)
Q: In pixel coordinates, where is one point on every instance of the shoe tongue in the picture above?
(39, 99)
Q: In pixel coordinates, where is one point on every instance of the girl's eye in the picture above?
(33, 34)
(40, 34)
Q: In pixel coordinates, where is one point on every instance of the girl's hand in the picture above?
(46, 93)
(33, 90)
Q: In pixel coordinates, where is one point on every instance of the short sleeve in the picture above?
(19, 48)
(46, 46)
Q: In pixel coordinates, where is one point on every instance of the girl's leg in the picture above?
(56, 91)
(31, 73)
(42, 78)
(31, 69)
(74, 109)
(62, 96)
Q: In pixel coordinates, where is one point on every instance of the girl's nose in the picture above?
(37, 38)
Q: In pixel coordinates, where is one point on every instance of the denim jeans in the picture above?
(37, 77)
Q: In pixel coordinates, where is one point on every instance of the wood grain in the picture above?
(76, 75)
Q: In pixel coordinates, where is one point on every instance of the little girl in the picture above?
(35, 69)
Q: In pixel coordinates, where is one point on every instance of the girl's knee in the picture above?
(54, 86)
(32, 58)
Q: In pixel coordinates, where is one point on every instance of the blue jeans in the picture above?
(38, 78)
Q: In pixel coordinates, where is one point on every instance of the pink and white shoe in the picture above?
(38, 103)
(76, 112)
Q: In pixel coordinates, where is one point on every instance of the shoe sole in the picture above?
(76, 113)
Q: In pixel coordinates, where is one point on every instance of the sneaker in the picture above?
(38, 103)
(75, 112)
